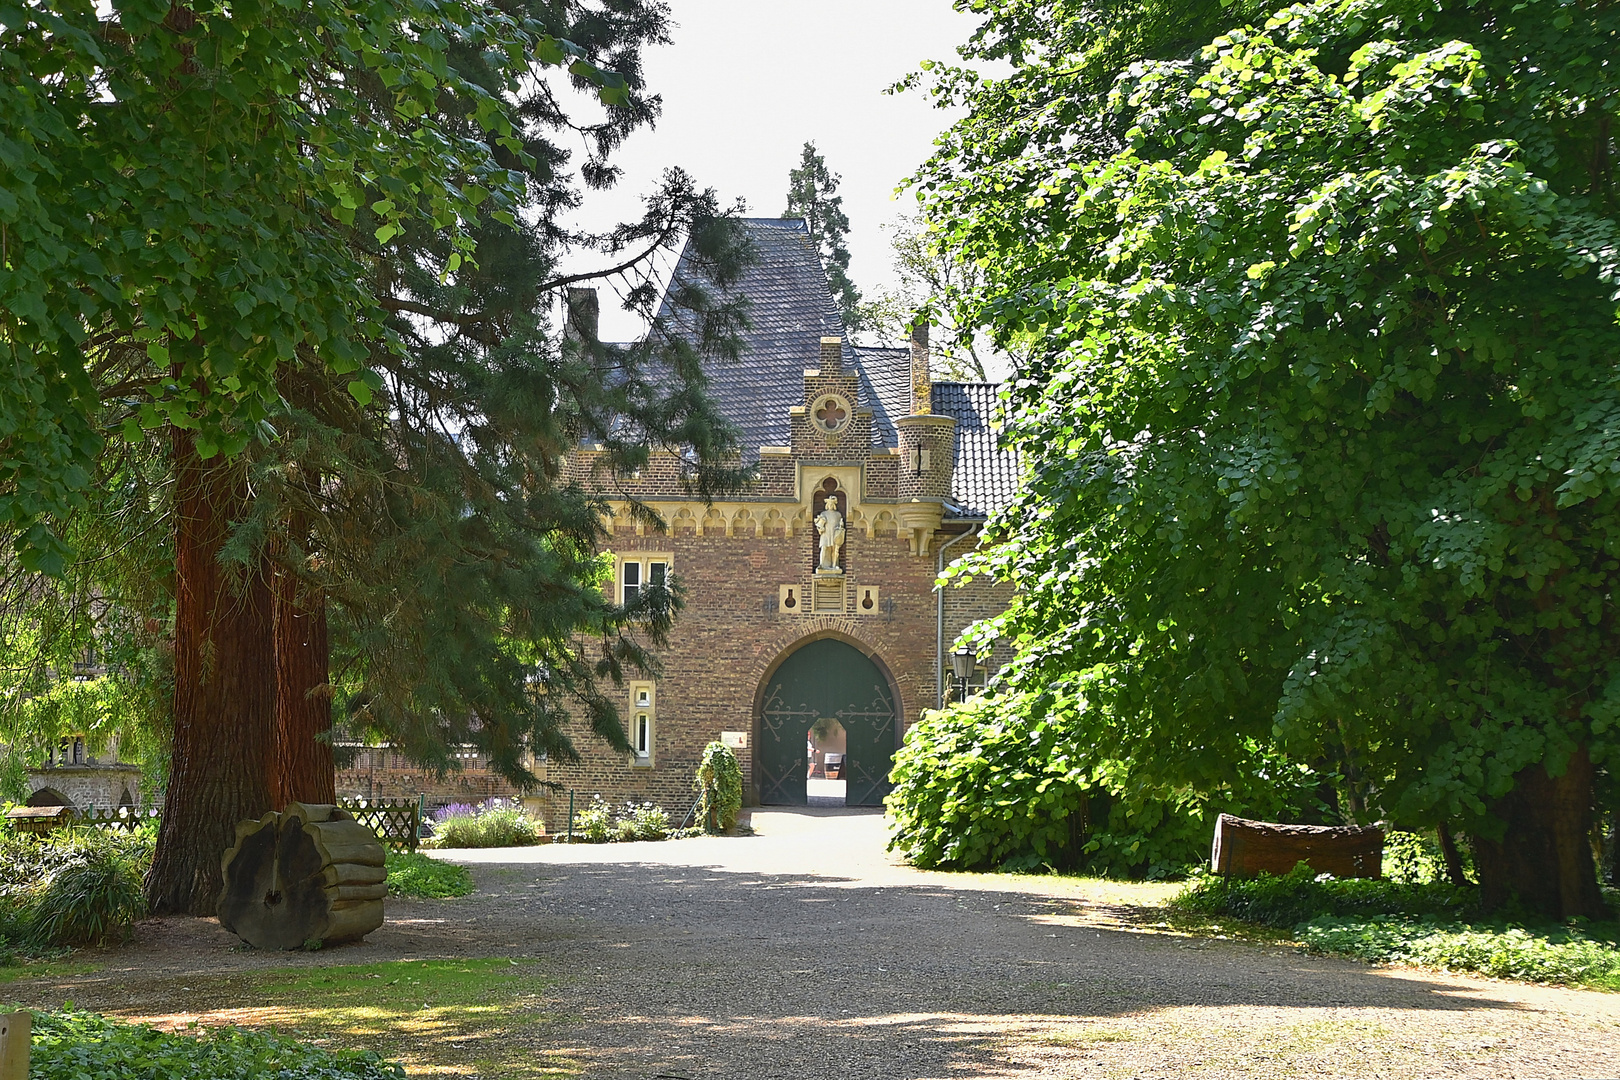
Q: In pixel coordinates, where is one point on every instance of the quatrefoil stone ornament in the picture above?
(831, 413)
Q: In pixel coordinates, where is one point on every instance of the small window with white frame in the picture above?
(638, 572)
(643, 717)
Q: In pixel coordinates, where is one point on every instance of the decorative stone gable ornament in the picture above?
(830, 527)
(830, 413)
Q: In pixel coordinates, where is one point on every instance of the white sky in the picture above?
(745, 84)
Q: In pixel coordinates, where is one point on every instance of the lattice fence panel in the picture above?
(397, 824)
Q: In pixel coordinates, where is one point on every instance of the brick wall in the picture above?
(936, 435)
(732, 634)
(84, 786)
(969, 603)
(407, 784)
(882, 476)
(735, 558)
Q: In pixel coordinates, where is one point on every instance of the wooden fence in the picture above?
(42, 819)
(397, 824)
(127, 818)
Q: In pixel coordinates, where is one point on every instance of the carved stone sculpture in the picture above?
(830, 526)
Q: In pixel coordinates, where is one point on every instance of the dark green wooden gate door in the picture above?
(826, 678)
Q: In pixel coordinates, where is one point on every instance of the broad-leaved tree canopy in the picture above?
(1322, 420)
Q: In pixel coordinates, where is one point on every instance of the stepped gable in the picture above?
(985, 477)
(790, 309)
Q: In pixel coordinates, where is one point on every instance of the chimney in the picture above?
(922, 384)
(832, 356)
(583, 315)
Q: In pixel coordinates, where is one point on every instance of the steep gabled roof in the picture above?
(885, 375)
(985, 477)
(790, 309)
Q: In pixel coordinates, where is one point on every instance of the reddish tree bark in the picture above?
(304, 770)
(1544, 858)
(224, 690)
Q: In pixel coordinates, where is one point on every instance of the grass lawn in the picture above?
(435, 1017)
(43, 969)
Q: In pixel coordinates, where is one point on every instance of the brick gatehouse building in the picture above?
(811, 656)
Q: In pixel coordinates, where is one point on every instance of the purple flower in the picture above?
(455, 810)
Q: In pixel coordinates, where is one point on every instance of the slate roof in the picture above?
(790, 308)
(985, 478)
(885, 387)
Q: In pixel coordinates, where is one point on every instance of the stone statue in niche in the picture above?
(830, 526)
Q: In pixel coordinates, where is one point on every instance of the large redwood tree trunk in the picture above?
(304, 770)
(224, 690)
(1544, 859)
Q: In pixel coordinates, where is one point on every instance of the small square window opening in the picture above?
(642, 718)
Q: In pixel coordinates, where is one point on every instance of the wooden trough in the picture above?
(310, 875)
(1246, 849)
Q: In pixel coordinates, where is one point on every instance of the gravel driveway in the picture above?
(805, 951)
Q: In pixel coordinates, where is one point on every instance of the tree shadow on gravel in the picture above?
(702, 971)
(656, 970)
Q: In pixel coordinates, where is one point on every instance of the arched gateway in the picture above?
(826, 680)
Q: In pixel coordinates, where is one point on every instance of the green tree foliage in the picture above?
(457, 556)
(403, 406)
(813, 196)
(184, 179)
(425, 502)
(1320, 423)
(87, 653)
(932, 281)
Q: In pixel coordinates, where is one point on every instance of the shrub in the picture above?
(1301, 895)
(985, 782)
(594, 824)
(92, 902)
(719, 785)
(71, 887)
(651, 822)
(413, 874)
(1396, 922)
(73, 1045)
(598, 823)
(491, 824)
(1000, 782)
